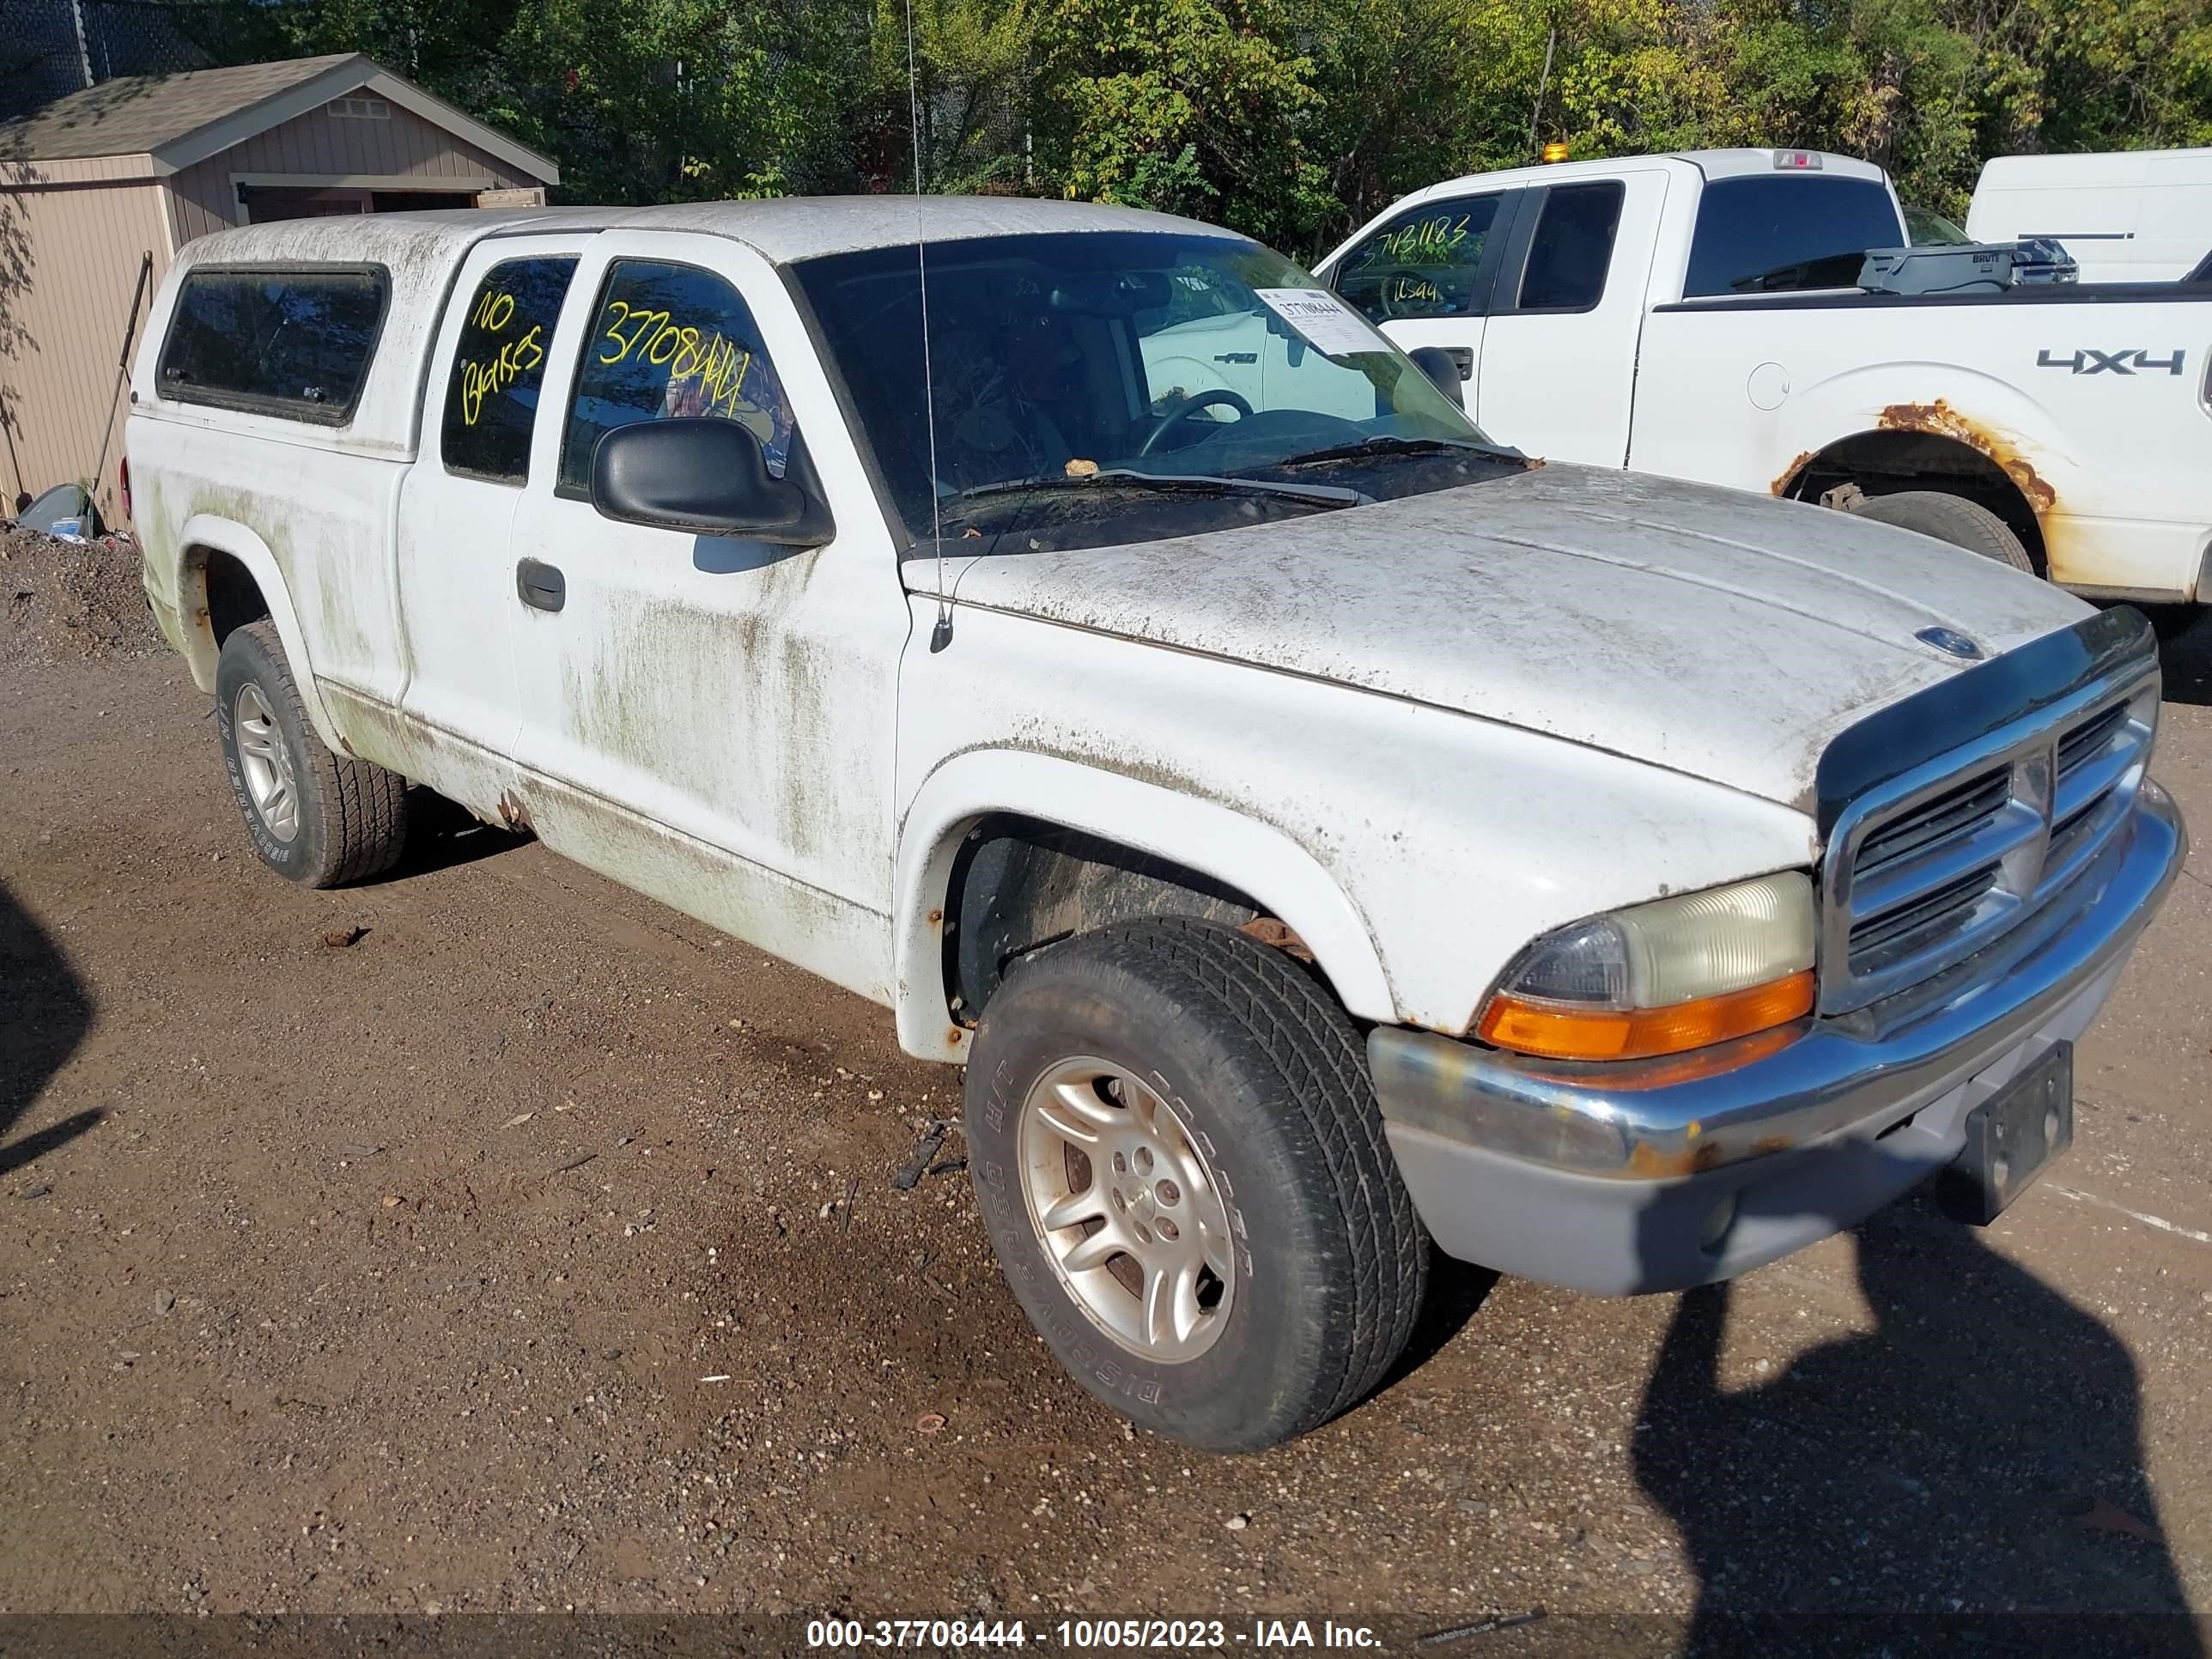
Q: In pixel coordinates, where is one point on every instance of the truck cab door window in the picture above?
(1572, 247)
(499, 365)
(1424, 263)
(1556, 375)
(670, 340)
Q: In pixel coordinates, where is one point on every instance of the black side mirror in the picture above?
(1443, 370)
(706, 475)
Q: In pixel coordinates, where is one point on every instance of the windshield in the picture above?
(1128, 357)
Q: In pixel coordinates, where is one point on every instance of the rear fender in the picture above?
(206, 533)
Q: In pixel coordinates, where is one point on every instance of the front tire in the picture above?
(1952, 519)
(315, 818)
(1176, 1149)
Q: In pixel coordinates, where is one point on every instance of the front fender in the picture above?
(1238, 851)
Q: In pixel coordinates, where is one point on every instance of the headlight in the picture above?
(1659, 978)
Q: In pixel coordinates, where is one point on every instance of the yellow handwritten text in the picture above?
(706, 371)
(488, 379)
(631, 329)
(716, 369)
(1434, 240)
(655, 338)
(492, 310)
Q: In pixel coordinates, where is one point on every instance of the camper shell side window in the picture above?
(290, 340)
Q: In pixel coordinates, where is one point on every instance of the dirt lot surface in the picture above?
(538, 1249)
(65, 601)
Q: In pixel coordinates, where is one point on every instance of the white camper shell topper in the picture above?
(1318, 830)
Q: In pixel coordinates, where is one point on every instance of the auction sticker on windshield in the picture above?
(1330, 327)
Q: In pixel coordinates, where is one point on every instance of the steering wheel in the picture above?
(1218, 398)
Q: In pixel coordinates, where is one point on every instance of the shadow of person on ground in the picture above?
(44, 1015)
(1975, 1458)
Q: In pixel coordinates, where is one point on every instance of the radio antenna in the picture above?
(941, 635)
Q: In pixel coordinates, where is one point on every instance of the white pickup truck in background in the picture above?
(1695, 315)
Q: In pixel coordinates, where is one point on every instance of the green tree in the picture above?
(1291, 119)
(647, 100)
(1198, 106)
(972, 78)
(454, 47)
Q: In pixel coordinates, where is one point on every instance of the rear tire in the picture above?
(1254, 1187)
(315, 818)
(1952, 519)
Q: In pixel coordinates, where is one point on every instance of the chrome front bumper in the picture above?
(1655, 1174)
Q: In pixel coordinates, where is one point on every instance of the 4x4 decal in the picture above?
(2125, 361)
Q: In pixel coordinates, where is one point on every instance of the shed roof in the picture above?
(179, 120)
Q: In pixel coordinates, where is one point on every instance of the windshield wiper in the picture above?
(1170, 484)
(1390, 445)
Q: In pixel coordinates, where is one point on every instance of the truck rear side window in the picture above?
(1771, 234)
(294, 342)
(491, 396)
(1572, 247)
(1422, 262)
(670, 340)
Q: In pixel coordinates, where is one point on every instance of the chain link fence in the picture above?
(50, 48)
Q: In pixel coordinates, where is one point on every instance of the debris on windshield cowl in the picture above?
(1080, 468)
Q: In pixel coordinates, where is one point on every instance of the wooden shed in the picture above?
(99, 190)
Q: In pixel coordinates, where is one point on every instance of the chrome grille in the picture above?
(2084, 737)
(1953, 811)
(1922, 920)
(1931, 867)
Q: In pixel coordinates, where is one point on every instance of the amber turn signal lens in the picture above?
(1560, 1032)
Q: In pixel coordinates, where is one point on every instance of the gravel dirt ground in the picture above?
(489, 1237)
(66, 601)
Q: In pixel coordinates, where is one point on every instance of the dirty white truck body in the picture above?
(1599, 309)
(1417, 734)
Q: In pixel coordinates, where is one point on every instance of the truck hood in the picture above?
(1710, 631)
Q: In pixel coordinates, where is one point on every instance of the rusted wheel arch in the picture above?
(1930, 446)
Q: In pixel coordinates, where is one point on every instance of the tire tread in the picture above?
(366, 804)
(1321, 1061)
(1948, 518)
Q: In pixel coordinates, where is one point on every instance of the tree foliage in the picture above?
(1291, 119)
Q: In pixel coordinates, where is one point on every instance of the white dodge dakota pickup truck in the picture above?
(1317, 831)
(1696, 315)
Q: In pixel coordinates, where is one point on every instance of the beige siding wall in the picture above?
(65, 397)
(323, 146)
(201, 200)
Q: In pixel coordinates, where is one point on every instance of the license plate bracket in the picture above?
(2011, 1139)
